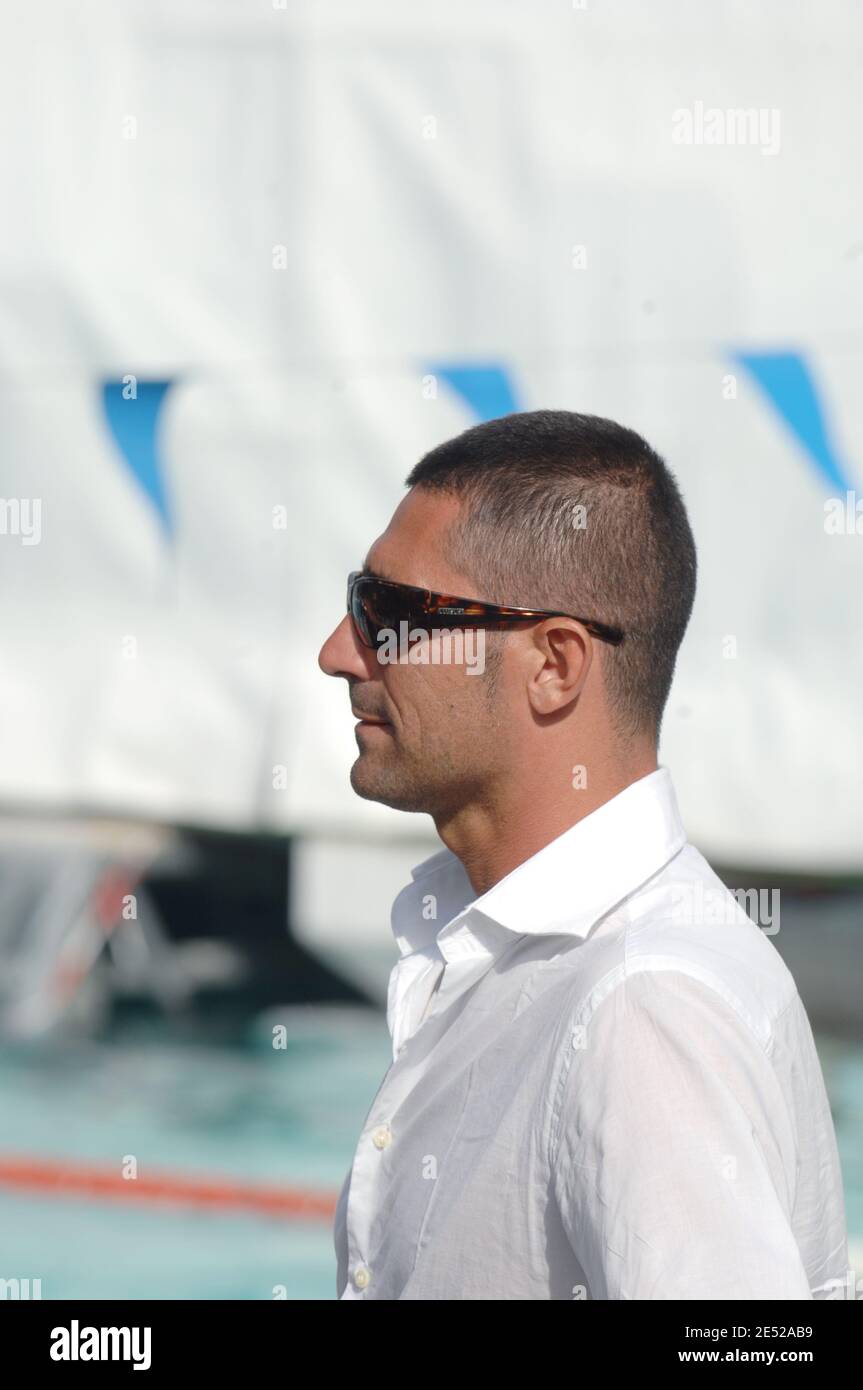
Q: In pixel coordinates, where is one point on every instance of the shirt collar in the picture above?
(562, 889)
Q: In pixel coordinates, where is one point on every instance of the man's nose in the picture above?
(343, 654)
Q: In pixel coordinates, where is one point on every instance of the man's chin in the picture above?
(378, 784)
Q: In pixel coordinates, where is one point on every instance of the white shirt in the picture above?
(614, 1094)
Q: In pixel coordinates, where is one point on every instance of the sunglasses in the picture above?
(375, 603)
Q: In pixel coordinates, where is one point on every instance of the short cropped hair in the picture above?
(578, 514)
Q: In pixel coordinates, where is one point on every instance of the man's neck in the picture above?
(492, 840)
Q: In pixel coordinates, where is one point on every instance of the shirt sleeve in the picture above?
(674, 1165)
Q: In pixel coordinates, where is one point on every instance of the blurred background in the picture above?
(256, 258)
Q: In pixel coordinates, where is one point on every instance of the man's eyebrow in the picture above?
(375, 574)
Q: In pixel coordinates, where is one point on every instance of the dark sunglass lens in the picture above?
(371, 609)
(356, 609)
(359, 617)
(380, 606)
(362, 618)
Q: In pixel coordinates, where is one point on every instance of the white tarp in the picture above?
(296, 216)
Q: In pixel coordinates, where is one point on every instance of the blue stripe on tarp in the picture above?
(485, 387)
(787, 382)
(134, 425)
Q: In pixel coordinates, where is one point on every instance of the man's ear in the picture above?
(564, 652)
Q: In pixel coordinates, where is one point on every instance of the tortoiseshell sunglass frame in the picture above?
(423, 606)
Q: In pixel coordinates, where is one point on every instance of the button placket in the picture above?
(466, 960)
(382, 1136)
(363, 1197)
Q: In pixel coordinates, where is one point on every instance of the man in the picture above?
(601, 1088)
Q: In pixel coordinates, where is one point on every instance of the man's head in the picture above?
(546, 510)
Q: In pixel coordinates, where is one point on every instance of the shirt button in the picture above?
(382, 1136)
(361, 1277)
